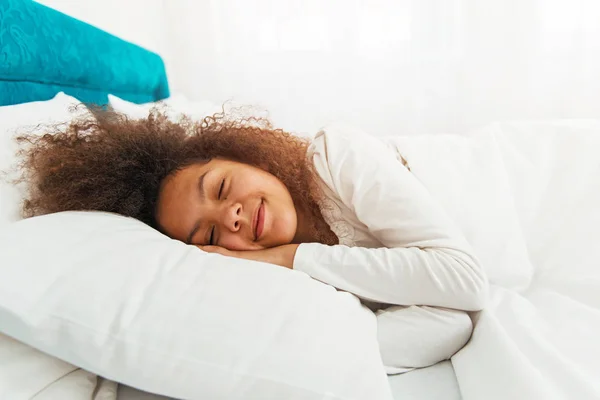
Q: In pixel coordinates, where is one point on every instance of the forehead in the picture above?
(187, 178)
(177, 199)
(182, 179)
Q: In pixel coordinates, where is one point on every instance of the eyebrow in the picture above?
(202, 197)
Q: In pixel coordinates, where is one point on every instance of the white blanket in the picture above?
(528, 196)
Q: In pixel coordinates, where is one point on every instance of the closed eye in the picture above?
(212, 236)
(221, 189)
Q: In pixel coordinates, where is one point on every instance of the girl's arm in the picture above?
(426, 260)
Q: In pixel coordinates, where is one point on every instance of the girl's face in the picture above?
(228, 204)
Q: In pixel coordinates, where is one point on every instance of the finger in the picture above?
(208, 249)
(212, 249)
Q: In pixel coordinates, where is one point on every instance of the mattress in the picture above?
(437, 382)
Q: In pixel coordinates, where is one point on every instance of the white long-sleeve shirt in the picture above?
(397, 245)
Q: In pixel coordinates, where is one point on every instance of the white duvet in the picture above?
(528, 196)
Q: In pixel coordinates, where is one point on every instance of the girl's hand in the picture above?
(217, 249)
(280, 255)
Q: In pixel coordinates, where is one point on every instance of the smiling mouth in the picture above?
(259, 221)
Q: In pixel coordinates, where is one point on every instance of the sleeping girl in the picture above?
(343, 207)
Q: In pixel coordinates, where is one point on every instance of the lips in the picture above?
(259, 221)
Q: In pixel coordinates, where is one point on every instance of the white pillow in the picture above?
(119, 299)
(175, 106)
(22, 118)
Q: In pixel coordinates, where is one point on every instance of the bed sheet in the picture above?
(437, 382)
(538, 336)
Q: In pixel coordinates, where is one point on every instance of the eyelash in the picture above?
(212, 234)
(221, 189)
(212, 231)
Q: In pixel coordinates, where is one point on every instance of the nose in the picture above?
(232, 217)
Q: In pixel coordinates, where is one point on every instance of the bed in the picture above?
(44, 52)
(537, 339)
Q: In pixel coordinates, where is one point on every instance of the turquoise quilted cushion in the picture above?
(43, 52)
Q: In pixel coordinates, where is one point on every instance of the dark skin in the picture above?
(234, 209)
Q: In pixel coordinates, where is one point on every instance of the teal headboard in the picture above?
(43, 52)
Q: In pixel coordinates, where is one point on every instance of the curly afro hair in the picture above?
(106, 161)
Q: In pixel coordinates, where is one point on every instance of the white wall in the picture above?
(390, 66)
(394, 66)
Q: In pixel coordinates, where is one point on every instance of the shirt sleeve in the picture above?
(425, 261)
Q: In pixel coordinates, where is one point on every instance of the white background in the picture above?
(389, 66)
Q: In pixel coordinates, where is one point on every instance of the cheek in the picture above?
(284, 226)
(255, 181)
